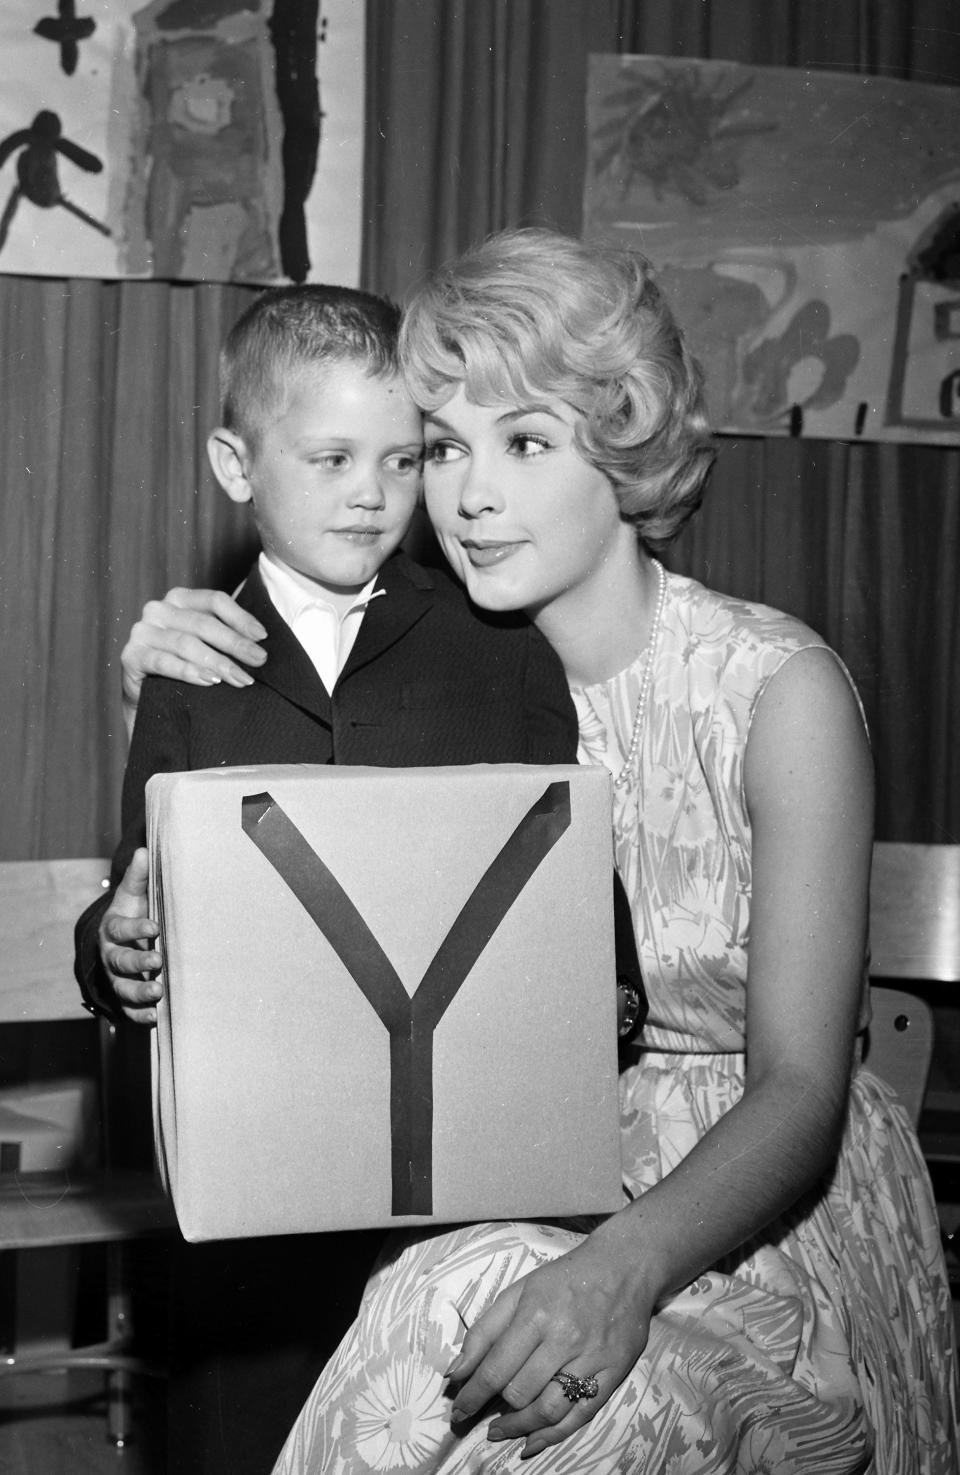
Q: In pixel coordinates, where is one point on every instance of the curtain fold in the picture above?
(110, 390)
(863, 543)
(475, 120)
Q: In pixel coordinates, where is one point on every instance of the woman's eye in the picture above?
(526, 446)
(441, 452)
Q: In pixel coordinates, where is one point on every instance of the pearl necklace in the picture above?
(646, 679)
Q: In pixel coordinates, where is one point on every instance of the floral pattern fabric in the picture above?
(823, 1347)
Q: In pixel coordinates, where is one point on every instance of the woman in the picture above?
(772, 1295)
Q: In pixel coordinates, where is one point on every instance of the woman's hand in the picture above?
(194, 635)
(587, 1314)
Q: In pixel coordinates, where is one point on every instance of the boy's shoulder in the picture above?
(440, 584)
(402, 568)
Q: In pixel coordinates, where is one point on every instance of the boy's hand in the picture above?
(126, 938)
(190, 634)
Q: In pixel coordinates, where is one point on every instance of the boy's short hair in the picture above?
(288, 329)
(530, 313)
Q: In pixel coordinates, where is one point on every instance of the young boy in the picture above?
(371, 659)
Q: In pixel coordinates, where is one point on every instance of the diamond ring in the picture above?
(576, 1388)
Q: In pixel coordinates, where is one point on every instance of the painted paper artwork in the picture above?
(805, 226)
(200, 140)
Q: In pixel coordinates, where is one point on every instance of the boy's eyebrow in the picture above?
(331, 439)
(508, 416)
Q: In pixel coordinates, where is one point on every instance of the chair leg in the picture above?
(118, 1408)
(119, 1332)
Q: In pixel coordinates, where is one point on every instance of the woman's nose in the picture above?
(478, 492)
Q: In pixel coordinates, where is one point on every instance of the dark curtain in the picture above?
(475, 120)
(109, 390)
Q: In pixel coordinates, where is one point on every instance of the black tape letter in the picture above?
(410, 1021)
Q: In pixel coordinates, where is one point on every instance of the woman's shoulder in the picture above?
(716, 624)
(726, 650)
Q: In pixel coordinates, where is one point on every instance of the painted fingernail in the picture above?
(209, 678)
(240, 678)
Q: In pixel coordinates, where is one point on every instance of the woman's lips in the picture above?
(483, 555)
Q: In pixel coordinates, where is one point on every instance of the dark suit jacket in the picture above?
(430, 680)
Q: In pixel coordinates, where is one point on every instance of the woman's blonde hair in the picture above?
(530, 313)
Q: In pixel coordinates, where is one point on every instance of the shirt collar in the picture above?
(292, 592)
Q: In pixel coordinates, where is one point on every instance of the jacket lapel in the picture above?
(288, 669)
(409, 594)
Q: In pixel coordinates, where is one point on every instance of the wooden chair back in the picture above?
(900, 1044)
(915, 912)
(914, 937)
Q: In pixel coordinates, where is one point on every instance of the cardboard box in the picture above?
(390, 996)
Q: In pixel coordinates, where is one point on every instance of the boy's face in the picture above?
(336, 477)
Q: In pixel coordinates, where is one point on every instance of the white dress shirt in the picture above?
(326, 633)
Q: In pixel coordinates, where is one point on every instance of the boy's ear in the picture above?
(230, 460)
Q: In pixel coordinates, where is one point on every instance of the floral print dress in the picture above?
(823, 1346)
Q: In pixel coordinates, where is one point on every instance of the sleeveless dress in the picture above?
(825, 1345)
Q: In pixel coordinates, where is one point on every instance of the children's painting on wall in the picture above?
(805, 226)
(201, 140)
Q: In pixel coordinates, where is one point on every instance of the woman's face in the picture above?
(523, 519)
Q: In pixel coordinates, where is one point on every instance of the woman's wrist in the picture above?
(623, 1240)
